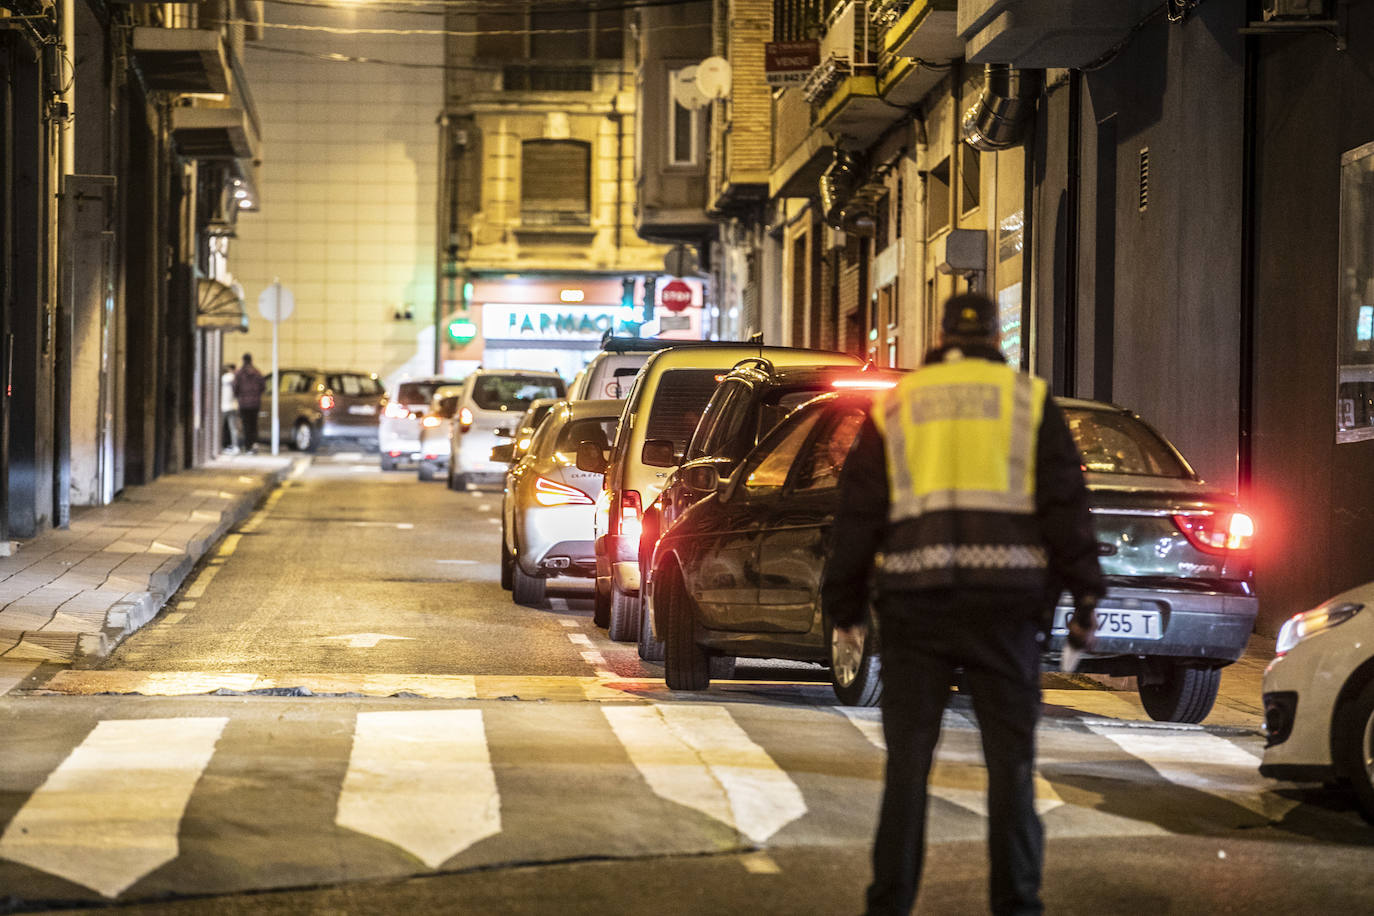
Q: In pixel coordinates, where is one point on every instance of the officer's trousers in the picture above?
(925, 638)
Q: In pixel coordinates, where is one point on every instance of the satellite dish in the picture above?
(687, 91)
(713, 77)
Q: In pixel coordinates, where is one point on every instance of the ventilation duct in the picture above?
(837, 185)
(998, 119)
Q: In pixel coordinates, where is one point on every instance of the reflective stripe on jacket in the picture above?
(960, 438)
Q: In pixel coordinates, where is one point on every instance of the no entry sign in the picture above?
(676, 296)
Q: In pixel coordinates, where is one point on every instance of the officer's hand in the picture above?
(1083, 624)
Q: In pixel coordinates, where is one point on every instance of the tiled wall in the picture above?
(347, 188)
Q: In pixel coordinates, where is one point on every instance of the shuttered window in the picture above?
(555, 182)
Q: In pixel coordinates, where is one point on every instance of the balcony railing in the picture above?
(545, 218)
(544, 78)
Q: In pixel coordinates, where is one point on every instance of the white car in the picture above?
(1319, 697)
(492, 399)
(398, 429)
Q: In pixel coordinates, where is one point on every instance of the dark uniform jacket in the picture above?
(1061, 523)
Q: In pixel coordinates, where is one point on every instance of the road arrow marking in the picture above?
(366, 640)
(421, 780)
(111, 812)
(699, 757)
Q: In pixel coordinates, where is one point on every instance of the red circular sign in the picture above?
(676, 296)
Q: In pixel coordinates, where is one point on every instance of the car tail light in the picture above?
(629, 520)
(430, 421)
(397, 411)
(326, 401)
(393, 454)
(863, 383)
(1211, 532)
(465, 419)
(552, 493)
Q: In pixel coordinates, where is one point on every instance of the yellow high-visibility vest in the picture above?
(961, 435)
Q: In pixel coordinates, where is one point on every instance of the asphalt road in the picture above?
(343, 711)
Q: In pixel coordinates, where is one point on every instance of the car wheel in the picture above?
(426, 471)
(1355, 748)
(624, 624)
(601, 608)
(650, 647)
(527, 590)
(507, 563)
(855, 671)
(388, 463)
(1182, 695)
(686, 665)
(304, 437)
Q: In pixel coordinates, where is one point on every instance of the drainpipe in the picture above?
(997, 120)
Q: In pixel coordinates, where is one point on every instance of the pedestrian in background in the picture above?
(964, 497)
(229, 407)
(248, 388)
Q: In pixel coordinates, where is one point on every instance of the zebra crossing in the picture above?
(286, 792)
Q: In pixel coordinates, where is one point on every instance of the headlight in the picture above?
(1300, 626)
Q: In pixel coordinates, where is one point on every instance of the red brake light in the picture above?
(1213, 533)
(552, 493)
(326, 401)
(863, 383)
(627, 520)
(465, 419)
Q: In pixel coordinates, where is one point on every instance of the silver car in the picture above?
(434, 431)
(492, 399)
(398, 430)
(546, 516)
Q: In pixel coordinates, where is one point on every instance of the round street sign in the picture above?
(676, 296)
(276, 303)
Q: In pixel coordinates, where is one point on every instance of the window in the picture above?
(825, 457)
(508, 392)
(937, 198)
(683, 127)
(1117, 443)
(590, 429)
(770, 471)
(353, 386)
(551, 35)
(721, 423)
(882, 223)
(1355, 303)
(970, 178)
(679, 401)
(797, 20)
(555, 183)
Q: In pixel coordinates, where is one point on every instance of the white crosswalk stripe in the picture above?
(111, 812)
(422, 780)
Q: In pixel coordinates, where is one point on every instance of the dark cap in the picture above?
(970, 316)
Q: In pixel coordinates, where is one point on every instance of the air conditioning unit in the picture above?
(1294, 9)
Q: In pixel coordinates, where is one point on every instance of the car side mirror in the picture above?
(504, 453)
(505, 432)
(590, 457)
(701, 479)
(658, 453)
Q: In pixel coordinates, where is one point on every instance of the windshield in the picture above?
(1117, 443)
(511, 392)
(413, 394)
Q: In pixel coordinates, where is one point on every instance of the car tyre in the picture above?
(686, 664)
(388, 463)
(527, 590)
(1184, 695)
(650, 647)
(856, 677)
(1355, 749)
(426, 471)
(601, 608)
(507, 563)
(624, 623)
(304, 436)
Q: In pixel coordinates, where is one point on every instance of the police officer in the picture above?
(964, 498)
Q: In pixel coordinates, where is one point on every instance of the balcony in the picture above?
(843, 89)
(1046, 33)
(918, 39)
(182, 60)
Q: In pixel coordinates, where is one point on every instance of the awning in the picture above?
(219, 307)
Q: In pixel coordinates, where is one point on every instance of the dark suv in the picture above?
(752, 399)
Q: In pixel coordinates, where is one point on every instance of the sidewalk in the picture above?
(78, 592)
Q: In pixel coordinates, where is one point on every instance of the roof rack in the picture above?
(614, 344)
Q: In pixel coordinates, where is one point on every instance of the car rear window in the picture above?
(493, 392)
(600, 430)
(1117, 443)
(679, 403)
(354, 386)
(413, 394)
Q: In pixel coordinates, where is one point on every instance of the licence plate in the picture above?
(1121, 624)
(364, 409)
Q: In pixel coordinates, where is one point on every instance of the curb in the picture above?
(135, 610)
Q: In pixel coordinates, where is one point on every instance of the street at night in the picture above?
(341, 707)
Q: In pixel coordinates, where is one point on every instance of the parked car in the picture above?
(434, 431)
(660, 415)
(1176, 554)
(752, 399)
(398, 429)
(522, 434)
(612, 371)
(546, 514)
(491, 399)
(315, 406)
(1319, 697)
